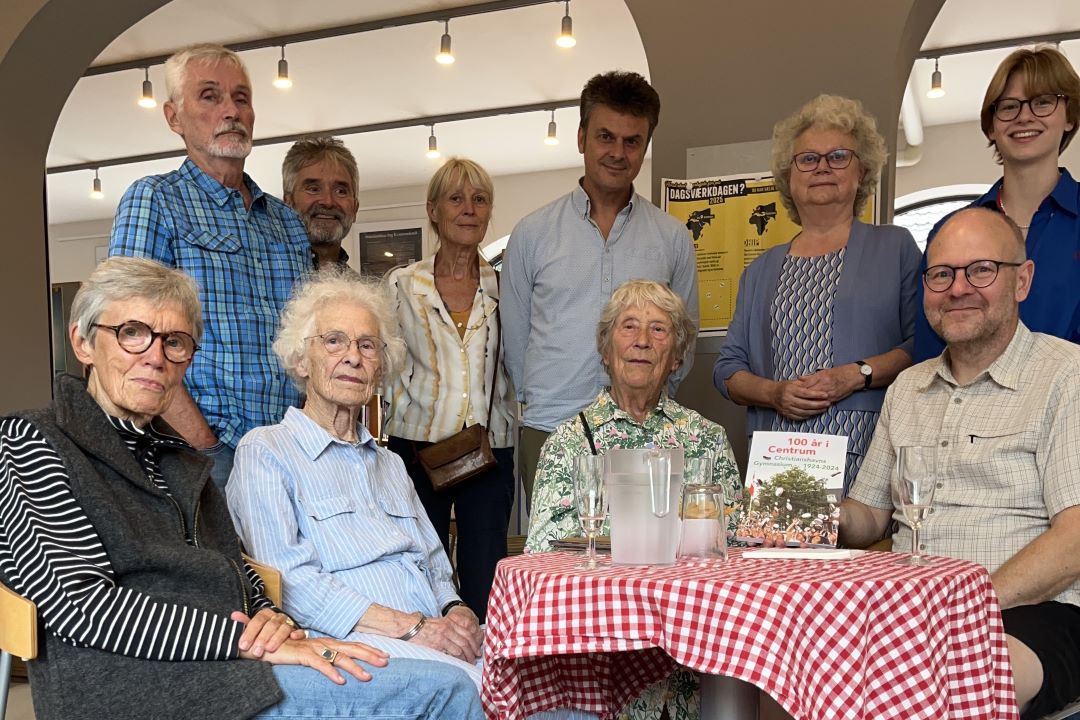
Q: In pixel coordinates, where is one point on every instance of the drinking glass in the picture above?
(590, 502)
(914, 483)
(704, 525)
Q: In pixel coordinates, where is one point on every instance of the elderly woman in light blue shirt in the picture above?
(316, 498)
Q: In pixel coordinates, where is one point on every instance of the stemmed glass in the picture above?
(590, 502)
(914, 482)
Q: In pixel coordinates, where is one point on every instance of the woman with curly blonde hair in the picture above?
(825, 322)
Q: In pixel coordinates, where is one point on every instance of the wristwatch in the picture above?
(867, 373)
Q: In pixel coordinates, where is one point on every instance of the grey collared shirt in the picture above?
(558, 273)
(1006, 450)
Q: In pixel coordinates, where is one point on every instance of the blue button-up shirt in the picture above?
(343, 524)
(558, 273)
(1053, 242)
(245, 261)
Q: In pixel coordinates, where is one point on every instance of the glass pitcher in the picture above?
(643, 490)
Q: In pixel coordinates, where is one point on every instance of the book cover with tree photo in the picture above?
(793, 488)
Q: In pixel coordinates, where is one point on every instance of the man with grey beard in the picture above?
(244, 248)
(319, 179)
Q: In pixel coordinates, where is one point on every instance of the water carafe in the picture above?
(643, 490)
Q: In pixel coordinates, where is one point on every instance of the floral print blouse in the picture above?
(670, 425)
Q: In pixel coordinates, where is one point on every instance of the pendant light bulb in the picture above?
(936, 89)
(445, 56)
(566, 36)
(433, 145)
(282, 81)
(146, 100)
(95, 191)
(553, 132)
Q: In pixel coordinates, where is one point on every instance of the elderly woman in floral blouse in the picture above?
(643, 335)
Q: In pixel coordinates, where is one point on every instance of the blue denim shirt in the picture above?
(245, 262)
(1053, 242)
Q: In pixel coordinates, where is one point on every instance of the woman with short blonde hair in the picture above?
(447, 306)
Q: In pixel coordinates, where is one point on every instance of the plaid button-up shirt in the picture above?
(1006, 450)
(245, 261)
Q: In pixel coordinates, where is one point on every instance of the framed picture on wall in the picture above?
(383, 246)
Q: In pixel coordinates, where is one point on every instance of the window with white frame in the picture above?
(920, 211)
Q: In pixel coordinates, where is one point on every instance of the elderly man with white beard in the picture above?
(244, 248)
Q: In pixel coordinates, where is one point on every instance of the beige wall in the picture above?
(957, 154)
(45, 45)
(727, 71)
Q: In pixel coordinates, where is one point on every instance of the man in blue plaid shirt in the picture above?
(244, 248)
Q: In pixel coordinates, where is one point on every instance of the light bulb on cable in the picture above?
(146, 100)
(282, 81)
(553, 132)
(566, 35)
(445, 56)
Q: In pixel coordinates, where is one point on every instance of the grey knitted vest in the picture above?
(142, 531)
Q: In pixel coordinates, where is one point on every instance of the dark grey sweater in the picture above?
(143, 532)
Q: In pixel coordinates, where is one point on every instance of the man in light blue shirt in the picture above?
(564, 261)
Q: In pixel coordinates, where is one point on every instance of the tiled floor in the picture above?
(19, 706)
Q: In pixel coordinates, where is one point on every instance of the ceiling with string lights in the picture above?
(965, 76)
(505, 58)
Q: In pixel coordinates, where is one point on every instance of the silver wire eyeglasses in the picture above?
(336, 342)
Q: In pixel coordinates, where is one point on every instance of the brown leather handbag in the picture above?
(458, 457)
(465, 453)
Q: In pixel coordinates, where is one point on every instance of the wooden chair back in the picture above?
(18, 625)
(271, 579)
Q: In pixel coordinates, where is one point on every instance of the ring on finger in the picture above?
(329, 655)
(290, 622)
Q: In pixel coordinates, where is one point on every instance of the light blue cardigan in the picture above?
(873, 312)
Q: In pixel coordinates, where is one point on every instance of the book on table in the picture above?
(794, 483)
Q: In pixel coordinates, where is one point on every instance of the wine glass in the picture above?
(914, 483)
(590, 502)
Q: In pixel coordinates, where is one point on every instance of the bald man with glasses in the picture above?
(1001, 405)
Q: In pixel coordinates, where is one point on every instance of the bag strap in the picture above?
(588, 432)
(498, 347)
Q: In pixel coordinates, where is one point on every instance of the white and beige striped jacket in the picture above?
(445, 380)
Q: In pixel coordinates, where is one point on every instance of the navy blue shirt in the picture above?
(1053, 242)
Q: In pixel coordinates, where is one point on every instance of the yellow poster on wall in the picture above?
(732, 220)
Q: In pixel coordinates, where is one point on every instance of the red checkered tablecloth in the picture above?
(861, 638)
